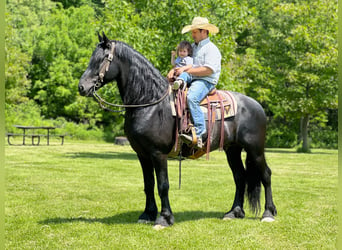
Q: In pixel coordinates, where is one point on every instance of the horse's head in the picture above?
(102, 67)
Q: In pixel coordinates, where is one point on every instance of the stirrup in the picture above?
(189, 140)
(199, 143)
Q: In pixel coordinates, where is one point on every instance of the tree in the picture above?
(59, 59)
(297, 48)
(282, 53)
(16, 64)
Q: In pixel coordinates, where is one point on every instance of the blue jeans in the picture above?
(186, 77)
(198, 90)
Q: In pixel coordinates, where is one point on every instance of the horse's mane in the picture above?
(144, 82)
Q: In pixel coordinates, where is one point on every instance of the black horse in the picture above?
(150, 129)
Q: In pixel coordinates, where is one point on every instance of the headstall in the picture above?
(104, 68)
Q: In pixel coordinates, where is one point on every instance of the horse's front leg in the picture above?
(234, 159)
(166, 217)
(150, 213)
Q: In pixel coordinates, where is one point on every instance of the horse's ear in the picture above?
(100, 38)
(105, 39)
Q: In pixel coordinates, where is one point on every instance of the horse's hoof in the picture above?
(268, 216)
(158, 227)
(141, 221)
(147, 217)
(229, 216)
(236, 213)
(164, 221)
(268, 219)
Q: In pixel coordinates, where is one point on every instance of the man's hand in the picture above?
(170, 75)
(179, 70)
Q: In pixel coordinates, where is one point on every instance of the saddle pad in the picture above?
(229, 104)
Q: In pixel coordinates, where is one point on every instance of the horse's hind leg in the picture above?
(233, 154)
(257, 170)
(270, 209)
(150, 213)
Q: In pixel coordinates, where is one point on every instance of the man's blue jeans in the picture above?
(198, 90)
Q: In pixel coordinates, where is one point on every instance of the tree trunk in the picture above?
(304, 132)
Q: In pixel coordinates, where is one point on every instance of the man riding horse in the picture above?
(150, 124)
(202, 77)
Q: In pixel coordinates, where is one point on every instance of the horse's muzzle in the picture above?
(85, 91)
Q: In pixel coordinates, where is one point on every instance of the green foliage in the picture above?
(324, 138)
(283, 54)
(78, 131)
(78, 3)
(16, 65)
(293, 70)
(27, 113)
(59, 58)
(281, 135)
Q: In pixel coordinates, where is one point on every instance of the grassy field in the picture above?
(89, 196)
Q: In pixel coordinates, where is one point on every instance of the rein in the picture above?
(102, 102)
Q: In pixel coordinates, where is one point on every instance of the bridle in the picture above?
(104, 68)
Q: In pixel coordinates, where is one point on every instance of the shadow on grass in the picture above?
(293, 151)
(132, 218)
(104, 155)
(133, 156)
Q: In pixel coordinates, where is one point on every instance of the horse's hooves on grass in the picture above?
(268, 216)
(158, 227)
(231, 217)
(236, 213)
(228, 218)
(164, 221)
(148, 217)
(141, 221)
(268, 219)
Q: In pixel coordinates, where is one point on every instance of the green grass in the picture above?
(89, 196)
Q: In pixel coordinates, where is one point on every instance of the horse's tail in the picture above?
(253, 179)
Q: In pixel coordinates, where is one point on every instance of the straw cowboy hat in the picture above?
(201, 23)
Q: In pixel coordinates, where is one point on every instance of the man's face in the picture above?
(199, 35)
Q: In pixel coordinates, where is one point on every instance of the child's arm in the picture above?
(189, 62)
(186, 67)
(173, 55)
(178, 71)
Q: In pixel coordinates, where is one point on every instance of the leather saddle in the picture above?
(217, 105)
